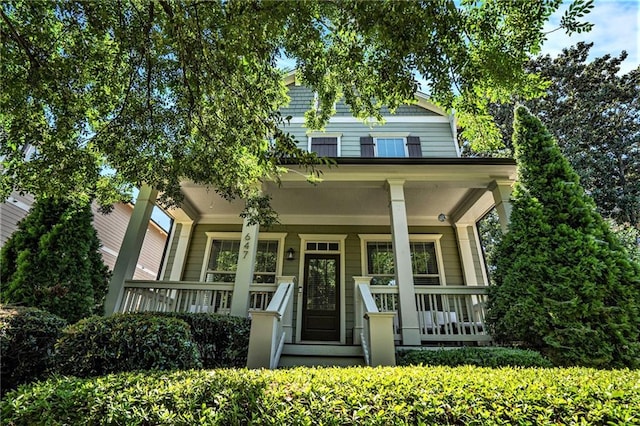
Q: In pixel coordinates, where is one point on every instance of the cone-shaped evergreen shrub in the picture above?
(564, 285)
(52, 262)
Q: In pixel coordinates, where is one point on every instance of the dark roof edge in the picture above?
(483, 161)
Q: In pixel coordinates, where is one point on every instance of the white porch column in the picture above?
(466, 254)
(131, 245)
(244, 272)
(180, 256)
(501, 191)
(402, 258)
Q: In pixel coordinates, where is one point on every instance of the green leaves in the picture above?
(161, 92)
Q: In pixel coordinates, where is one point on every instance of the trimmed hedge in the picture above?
(97, 346)
(27, 338)
(480, 357)
(222, 340)
(333, 396)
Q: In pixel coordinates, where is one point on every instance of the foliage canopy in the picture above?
(161, 91)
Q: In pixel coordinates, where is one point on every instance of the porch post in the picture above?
(402, 259)
(181, 251)
(501, 191)
(466, 254)
(129, 253)
(244, 271)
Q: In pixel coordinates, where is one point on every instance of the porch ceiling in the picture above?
(357, 194)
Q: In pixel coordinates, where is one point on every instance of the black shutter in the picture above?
(325, 147)
(413, 146)
(366, 147)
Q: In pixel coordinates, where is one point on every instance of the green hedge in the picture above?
(334, 396)
(222, 340)
(480, 357)
(27, 338)
(125, 342)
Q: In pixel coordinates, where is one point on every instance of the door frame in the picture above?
(334, 238)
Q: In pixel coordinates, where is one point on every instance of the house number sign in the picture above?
(247, 239)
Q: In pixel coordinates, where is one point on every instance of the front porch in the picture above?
(446, 315)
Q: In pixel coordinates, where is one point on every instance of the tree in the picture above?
(52, 261)
(594, 113)
(564, 285)
(159, 91)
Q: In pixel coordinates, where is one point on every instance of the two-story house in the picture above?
(384, 252)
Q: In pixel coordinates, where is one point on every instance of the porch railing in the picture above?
(184, 296)
(445, 313)
(376, 328)
(272, 328)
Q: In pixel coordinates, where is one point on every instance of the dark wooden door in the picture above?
(321, 298)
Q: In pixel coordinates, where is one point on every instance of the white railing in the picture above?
(375, 328)
(445, 313)
(272, 328)
(182, 296)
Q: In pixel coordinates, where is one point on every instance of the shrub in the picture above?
(125, 342)
(333, 396)
(52, 261)
(27, 338)
(564, 285)
(222, 340)
(480, 357)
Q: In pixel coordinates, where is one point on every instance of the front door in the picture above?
(321, 298)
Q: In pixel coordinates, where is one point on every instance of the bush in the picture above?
(52, 261)
(125, 342)
(564, 284)
(222, 340)
(480, 357)
(333, 396)
(27, 338)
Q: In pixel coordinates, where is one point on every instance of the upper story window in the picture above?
(325, 144)
(390, 146)
(223, 250)
(379, 263)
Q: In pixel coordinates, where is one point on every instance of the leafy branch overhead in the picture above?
(115, 92)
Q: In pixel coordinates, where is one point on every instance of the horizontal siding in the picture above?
(302, 100)
(171, 251)
(436, 138)
(353, 261)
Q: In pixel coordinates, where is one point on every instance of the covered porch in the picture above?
(397, 248)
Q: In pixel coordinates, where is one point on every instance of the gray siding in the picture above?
(12, 213)
(436, 138)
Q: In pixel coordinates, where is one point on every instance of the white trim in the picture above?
(389, 119)
(340, 239)
(434, 238)
(295, 219)
(390, 136)
(180, 255)
(211, 236)
(17, 203)
(482, 260)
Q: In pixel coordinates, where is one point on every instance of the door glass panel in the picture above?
(321, 285)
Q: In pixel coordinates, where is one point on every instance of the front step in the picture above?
(321, 356)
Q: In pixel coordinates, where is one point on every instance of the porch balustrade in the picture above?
(445, 313)
(376, 337)
(272, 328)
(181, 296)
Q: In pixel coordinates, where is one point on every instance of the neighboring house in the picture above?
(111, 229)
(383, 252)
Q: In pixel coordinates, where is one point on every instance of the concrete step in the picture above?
(319, 355)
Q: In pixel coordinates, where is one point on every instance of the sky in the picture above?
(616, 28)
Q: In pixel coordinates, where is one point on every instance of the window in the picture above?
(224, 249)
(390, 147)
(379, 262)
(324, 144)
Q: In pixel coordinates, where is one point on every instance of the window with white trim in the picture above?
(379, 263)
(391, 147)
(224, 249)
